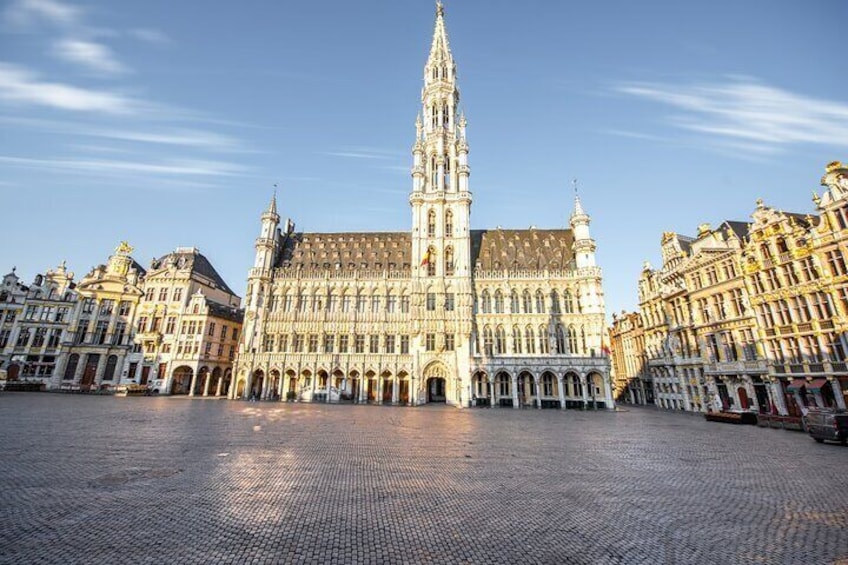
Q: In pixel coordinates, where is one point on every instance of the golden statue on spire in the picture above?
(124, 248)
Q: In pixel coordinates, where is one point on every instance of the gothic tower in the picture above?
(259, 280)
(441, 210)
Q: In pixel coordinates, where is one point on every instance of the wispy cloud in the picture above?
(746, 114)
(187, 167)
(23, 86)
(359, 152)
(91, 55)
(26, 12)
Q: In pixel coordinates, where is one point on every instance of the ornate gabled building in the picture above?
(187, 327)
(442, 313)
(751, 316)
(98, 350)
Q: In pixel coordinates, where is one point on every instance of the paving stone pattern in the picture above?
(173, 480)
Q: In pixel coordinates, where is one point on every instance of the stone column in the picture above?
(206, 383)
(608, 399)
(379, 394)
(561, 391)
(395, 387)
(220, 384)
(837, 393)
(776, 388)
(515, 403)
(193, 383)
(538, 392)
(585, 390)
(493, 398)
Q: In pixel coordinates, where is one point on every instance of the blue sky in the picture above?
(168, 123)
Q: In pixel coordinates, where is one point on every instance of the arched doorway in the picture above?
(526, 384)
(435, 379)
(388, 387)
(240, 389)
(371, 387)
(225, 383)
(403, 388)
(481, 389)
(503, 388)
(743, 397)
(257, 383)
(181, 380)
(274, 390)
(215, 382)
(15, 369)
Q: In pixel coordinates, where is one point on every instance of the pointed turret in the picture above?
(584, 245)
(440, 52)
(267, 242)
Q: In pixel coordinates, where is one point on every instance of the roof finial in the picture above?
(273, 207)
(440, 8)
(574, 183)
(578, 207)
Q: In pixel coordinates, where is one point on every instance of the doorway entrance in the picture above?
(436, 389)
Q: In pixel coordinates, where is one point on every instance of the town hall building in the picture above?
(442, 313)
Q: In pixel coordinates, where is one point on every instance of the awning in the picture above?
(796, 385)
(817, 384)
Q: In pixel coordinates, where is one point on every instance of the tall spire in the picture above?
(440, 49)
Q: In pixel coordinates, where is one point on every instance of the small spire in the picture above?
(440, 8)
(578, 207)
(273, 206)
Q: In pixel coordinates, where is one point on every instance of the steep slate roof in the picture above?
(490, 250)
(368, 251)
(197, 262)
(739, 228)
(225, 312)
(521, 249)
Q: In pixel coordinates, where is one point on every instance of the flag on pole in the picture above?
(426, 259)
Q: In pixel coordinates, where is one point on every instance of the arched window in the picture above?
(572, 340)
(487, 340)
(111, 363)
(431, 223)
(500, 341)
(485, 302)
(434, 170)
(447, 171)
(555, 302)
(516, 339)
(560, 340)
(583, 340)
(448, 224)
(544, 341)
(499, 302)
(514, 306)
(540, 302)
(445, 113)
(449, 266)
(528, 302)
(530, 339)
(568, 302)
(71, 367)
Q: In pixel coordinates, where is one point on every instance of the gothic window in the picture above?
(404, 304)
(540, 302)
(391, 303)
(516, 339)
(555, 302)
(500, 341)
(485, 302)
(528, 302)
(583, 339)
(447, 172)
(375, 304)
(568, 302)
(530, 339)
(544, 341)
(560, 340)
(449, 266)
(572, 340)
(346, 303)
(431, 223)
(431, 302)
(499, 302)
(514, 304)
(487, 340)
(434, 173)
(71, 367)
(448, 224)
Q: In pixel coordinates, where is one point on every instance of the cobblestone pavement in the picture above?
(172, 480)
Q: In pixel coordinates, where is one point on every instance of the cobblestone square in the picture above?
(171, 480)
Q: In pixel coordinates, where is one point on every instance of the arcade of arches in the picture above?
(203, 382)
(545, 389)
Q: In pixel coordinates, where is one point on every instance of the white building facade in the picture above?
(442, 313)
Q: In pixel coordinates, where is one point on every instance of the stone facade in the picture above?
(633, 383)
(188, 326)
(442, 313)
(751, 316)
